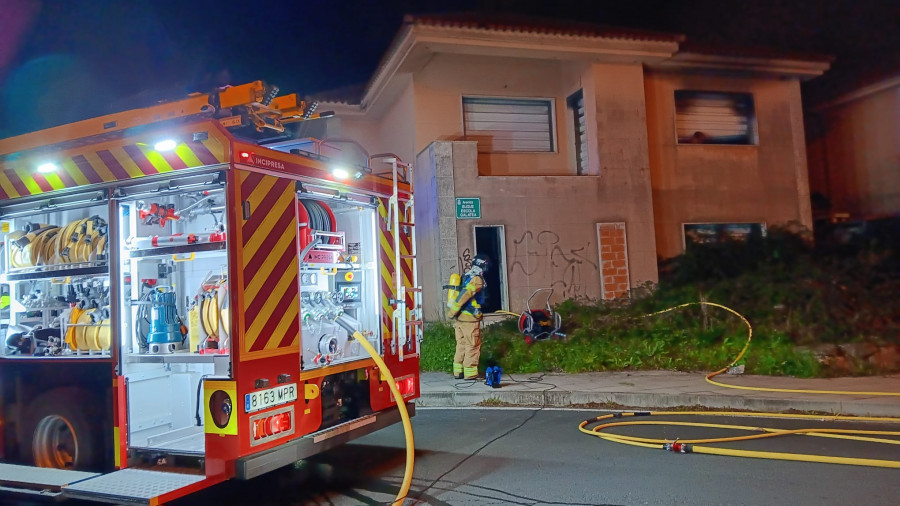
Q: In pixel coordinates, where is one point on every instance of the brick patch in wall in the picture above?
(614, 279)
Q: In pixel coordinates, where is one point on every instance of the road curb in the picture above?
(558, 398)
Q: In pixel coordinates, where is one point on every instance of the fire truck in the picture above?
(190, 294)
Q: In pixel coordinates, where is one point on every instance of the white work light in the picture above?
(340, 173)
(46, 168)
(166, 145)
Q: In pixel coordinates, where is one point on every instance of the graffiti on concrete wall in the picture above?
(547, 259)
(464, 261)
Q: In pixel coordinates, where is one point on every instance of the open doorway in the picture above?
(490, 240)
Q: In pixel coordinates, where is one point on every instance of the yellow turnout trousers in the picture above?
(468, 348)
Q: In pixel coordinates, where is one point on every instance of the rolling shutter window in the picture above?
(575, 103)
(509, 124)
(714, 118)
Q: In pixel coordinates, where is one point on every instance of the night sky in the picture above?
(66, 60)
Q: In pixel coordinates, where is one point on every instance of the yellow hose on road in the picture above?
(690, 445)
(404, 415)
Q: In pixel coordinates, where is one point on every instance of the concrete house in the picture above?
(576, 156)
(854, 151)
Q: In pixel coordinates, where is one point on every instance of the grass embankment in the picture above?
(796, 299)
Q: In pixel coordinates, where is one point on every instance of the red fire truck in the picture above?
(188, 296)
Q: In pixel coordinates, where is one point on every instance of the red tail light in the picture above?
(406, 386)
(271, 425)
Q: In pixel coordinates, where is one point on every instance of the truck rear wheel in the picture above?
(60, 435)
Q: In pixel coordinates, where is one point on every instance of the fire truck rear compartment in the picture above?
(345, 396)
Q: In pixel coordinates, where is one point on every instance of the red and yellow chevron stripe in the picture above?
(103, 163)
(271, 269)
(388, 284)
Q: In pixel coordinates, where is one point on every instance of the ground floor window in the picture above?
(711, 233)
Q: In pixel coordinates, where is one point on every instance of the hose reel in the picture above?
(315, 216)
(540, 324)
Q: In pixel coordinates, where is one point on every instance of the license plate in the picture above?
(264, 399)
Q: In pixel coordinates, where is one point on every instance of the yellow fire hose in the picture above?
(690, 445)
(401, 406)
(744, 350)
(45, 244)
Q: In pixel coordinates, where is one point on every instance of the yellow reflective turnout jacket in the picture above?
(467, 306)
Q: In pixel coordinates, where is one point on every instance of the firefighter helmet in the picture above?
(482, 261)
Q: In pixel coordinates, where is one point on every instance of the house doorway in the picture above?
(490, 240)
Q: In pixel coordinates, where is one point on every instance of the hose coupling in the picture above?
(678, 447)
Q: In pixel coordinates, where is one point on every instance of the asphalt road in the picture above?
(503, 456)
(536, 457)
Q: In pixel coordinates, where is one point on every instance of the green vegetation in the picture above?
(796, 298)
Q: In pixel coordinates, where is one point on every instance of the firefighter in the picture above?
(466, 310)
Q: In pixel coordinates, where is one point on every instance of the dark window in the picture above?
(712, 233)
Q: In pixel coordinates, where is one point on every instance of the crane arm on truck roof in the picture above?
(254, 104)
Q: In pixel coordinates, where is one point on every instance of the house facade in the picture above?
(577, 156)
(854, 151)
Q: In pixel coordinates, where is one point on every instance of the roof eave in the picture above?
(479, 41)
(781, 67)
(559, 47)
(390, 64)
(859, 93)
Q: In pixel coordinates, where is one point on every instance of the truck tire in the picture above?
(58, 432)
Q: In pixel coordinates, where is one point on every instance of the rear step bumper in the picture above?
(131, 486)
(317, 442)
(38, 481)
(142, 486)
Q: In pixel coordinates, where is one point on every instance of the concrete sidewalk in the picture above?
(667, 389)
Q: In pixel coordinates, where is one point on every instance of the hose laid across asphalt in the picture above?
(401, 406)
(690, 445)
